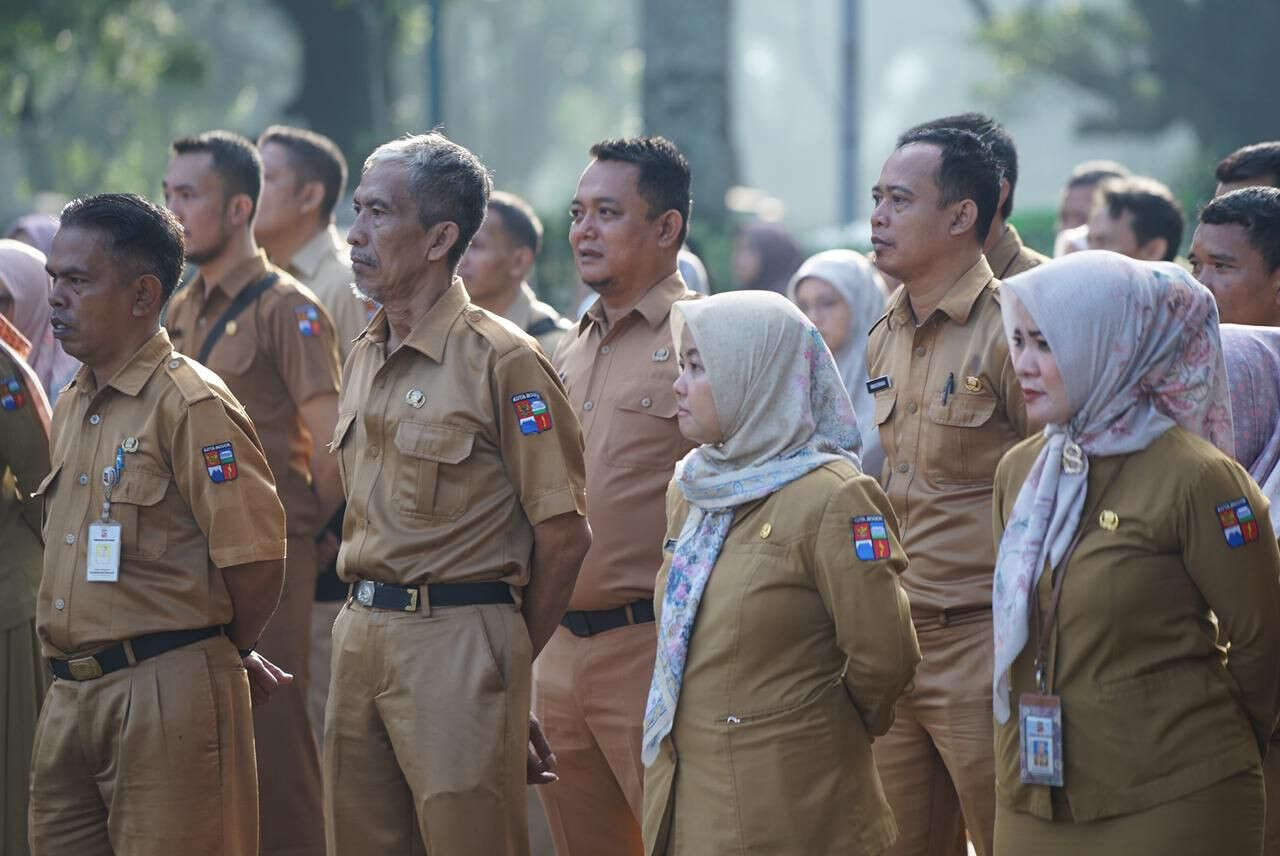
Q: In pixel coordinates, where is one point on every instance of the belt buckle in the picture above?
(365, 590)
(85, 668)
(412, 605)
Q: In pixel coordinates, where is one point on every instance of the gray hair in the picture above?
(448, 181)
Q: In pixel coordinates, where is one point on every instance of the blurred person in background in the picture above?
(842, 293)
(1137, 217)
(1004, 249)
(496, 266)
(1257, 165)
(765, 255)
(1076, 203)
(24, 300)
(36, 230)
(1235, 252)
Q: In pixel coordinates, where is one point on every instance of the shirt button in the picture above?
(95, 419)
(606, 349)
(374, 451)
(59, 603)
(902, 468)
(70, 538)
(646, 402)
(589, 406)
(920, 351)
(912, 408)
(83, 478)
(173, 364)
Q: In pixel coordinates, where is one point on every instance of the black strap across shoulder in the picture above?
(542, 326)
(242, 302)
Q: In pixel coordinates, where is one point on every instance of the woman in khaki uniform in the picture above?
(1136, 691)
(784, 637)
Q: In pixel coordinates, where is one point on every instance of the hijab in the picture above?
(779, 255)
(22, 274)
(1138, 349)
(857, 281)
(39, 229)
(783, 413)
(1253, 371)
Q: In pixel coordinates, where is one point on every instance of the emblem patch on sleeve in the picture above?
(870, 537)
(1239, 526)
(220, 461)
(531, 412)
(308, 320)
(12, 393)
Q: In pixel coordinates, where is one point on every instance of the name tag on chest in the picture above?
(104, 553)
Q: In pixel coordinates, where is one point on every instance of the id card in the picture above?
(1040, 725)
(104, 552)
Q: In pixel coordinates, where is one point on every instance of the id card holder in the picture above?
(1040, 729)
(104, 552)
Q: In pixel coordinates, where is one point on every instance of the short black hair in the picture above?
(1092, 173)
(665, 178)
(448, 181)
(968, 169)
(993, 134)
(518, 219)
(139, 233)
(314, 157)
(235, 160)
(1256, 161)
(1157, 213)
(1257, 209)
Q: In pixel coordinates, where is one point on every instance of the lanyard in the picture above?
(110, 478)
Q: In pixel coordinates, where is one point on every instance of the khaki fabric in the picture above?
(1154, 708)
(527, 310)
(271, 367)
(153, 760)
(618, 377)
(1010, 256)
(324, 266)
(1225, 818)
(1271, 778)
(24, 463)
(449, 490)
(589, 694)
(798, 656)
(940, 457)
(323, 614)
(179, 528)
(23, 680)
(425, 732)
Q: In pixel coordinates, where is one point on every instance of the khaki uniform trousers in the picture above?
(1221, 819)
(153, 760)
(426, 732)
(23, 679)
(320, 669)
(937, 762)
(590, 695)
(1271, 775)
(289, 793)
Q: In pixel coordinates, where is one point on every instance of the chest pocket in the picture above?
(337, 446)
(643, 433)
(432, 480)
(963, 449)
(43, 492)
(233, 353)
(135, 505)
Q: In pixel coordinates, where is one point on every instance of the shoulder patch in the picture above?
(308, 318)
(186, 376)
(870, 537)
(220, 461)
(13, 392)
(531, 413)
(1239, 526)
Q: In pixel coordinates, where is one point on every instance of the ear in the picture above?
(1154, 250)
(148, 296)
(964, 217)
(240, 209)
(1004, 194)
(520, 262)
(440, 239)
(669, 225)
(311, 197)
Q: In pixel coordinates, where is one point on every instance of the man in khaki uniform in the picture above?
(165, 548)
(462, 464)
(273, 344)
(947, 407)
(630, 216)
(1235, 253)
(496, 266)
(24, 462)
(303, 177)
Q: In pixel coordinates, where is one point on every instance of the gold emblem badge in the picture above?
(415, 398)
(130, 444)
(766, 530)
(973, 384)
(1109, 520)
(231, 328)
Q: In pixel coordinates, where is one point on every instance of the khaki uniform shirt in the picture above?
(194, 498)
(275, 359)
(1010, 256)
(798, 643)
(538, 319)
(1153, 705)
(452, 448)
(941, 455)
(324, 266)
(24, 463)
(619, 379)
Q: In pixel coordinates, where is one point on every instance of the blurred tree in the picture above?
(1152, 63)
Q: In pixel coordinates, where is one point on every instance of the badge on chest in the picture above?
(1040, 727)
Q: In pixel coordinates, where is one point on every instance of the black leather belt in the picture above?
(589, 622)
(116, 657)
(405, 598)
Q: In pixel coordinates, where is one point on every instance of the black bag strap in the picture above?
(542, 326)
(242, 302)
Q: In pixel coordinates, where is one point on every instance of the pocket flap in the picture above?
(48, 481)
(884, 404)
(656, 398)
(340, 430)
(964, 410)
(434, 442)
(140, 487)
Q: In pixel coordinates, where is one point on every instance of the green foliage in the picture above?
(1037, 227)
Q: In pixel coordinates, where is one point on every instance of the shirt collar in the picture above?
(959, 299)
(520, 312)
(134, 374)
(326, 243)
(427, 336)
(239, 277)
(1005, 250)
(654, 307)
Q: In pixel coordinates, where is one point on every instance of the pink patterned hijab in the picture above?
(1253, 370)
(1138, 347)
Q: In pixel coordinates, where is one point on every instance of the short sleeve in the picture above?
(306, 346)
(539, 435)
(221, 471)
(24, 431)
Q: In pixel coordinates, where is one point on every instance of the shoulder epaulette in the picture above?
(187, 377)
